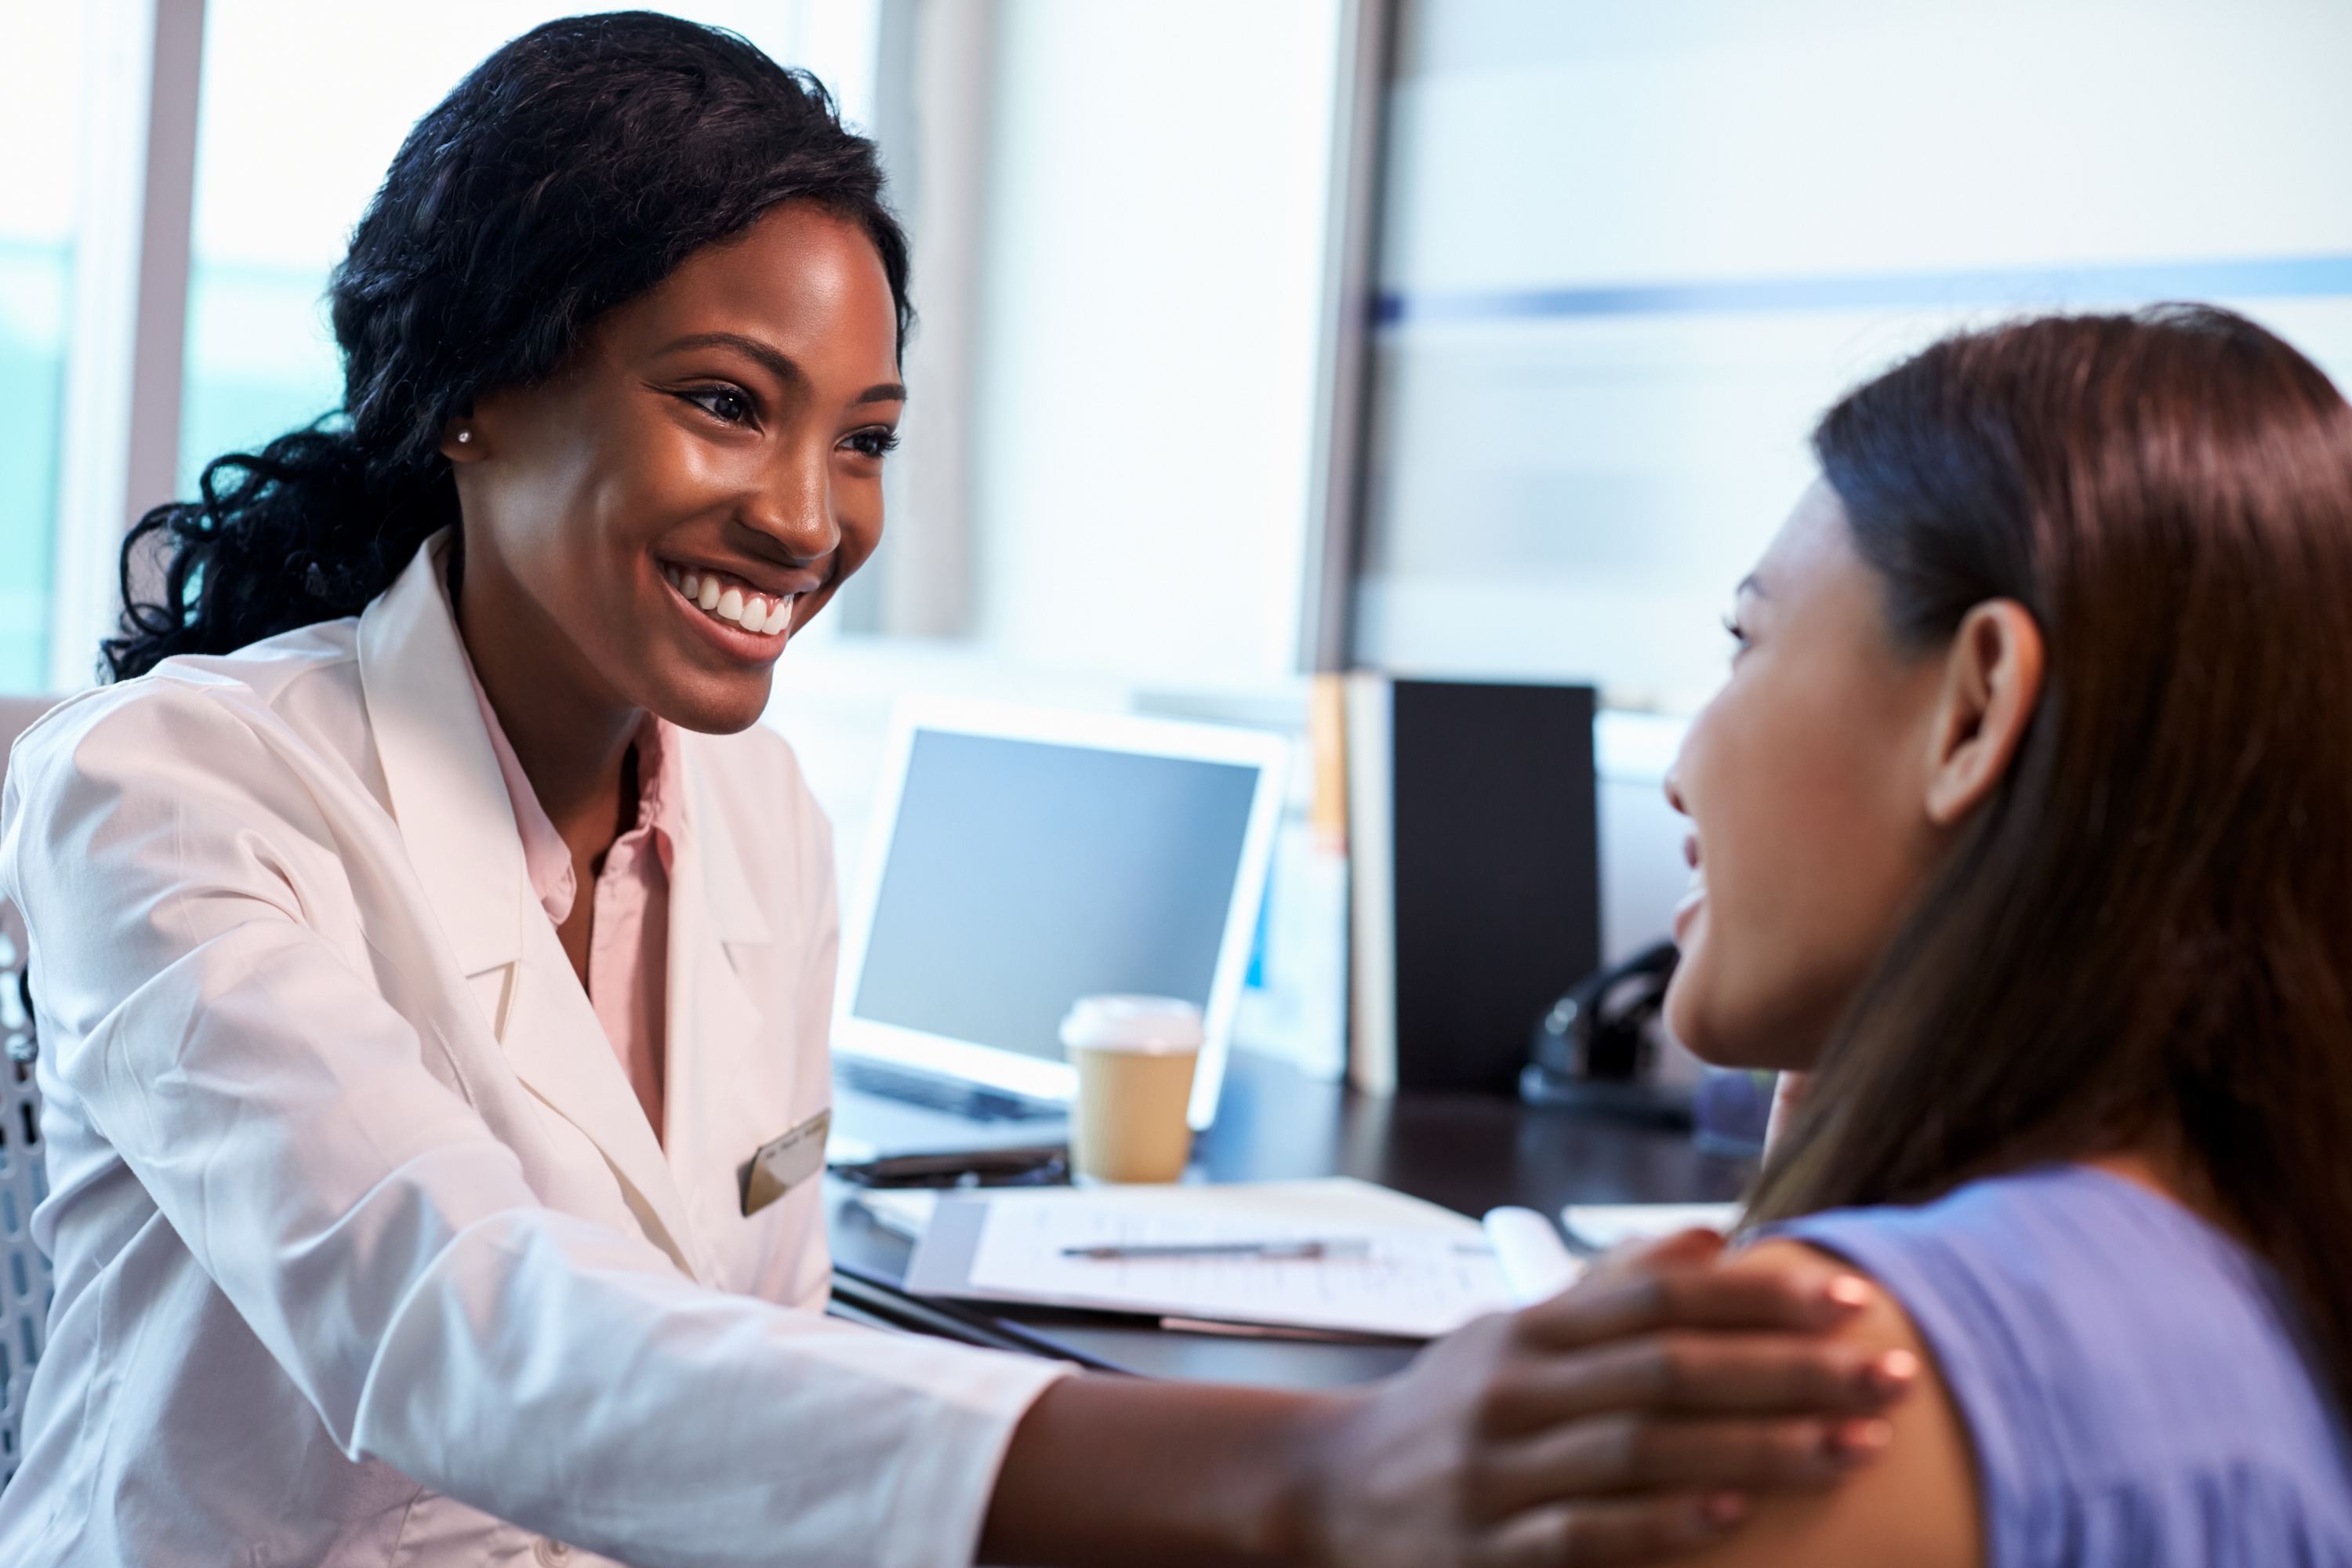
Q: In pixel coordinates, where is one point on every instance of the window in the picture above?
(1631, 250)
(39, 116)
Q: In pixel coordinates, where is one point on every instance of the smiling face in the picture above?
(646, 528)
(1811, 784)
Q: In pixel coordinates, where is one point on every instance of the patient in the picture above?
(2026, 821)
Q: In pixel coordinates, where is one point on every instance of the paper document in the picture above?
(1423, 1271)
(1603, 1225)
(1536, 1267)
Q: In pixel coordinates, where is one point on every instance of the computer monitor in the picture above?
(1023, 858)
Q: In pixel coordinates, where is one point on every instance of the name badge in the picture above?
(785, 1163)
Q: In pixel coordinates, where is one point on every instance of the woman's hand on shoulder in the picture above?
(1645, 1412)
(1918, 1506)
(1650, 1411)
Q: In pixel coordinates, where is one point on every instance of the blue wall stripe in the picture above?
(1895, 290)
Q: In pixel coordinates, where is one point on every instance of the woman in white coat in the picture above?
(425, 942)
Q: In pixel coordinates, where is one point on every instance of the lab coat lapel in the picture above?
(459, 828)
(712, 1022)
(442, 775)
(559, 1049)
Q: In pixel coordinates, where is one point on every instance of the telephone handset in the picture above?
(1603, 1046)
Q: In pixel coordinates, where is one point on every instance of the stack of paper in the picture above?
(1419, 1270)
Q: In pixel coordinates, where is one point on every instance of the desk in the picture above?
(1466, 1152)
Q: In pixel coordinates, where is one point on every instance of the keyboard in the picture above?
(974, 1102)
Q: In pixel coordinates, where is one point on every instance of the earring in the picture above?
(464, 437)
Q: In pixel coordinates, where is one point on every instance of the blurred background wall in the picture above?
(1451, 337)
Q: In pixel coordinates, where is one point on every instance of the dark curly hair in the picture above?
(571, 172)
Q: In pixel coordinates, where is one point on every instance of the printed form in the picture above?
(1399, 1267)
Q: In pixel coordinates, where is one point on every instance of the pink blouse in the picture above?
(628, 926)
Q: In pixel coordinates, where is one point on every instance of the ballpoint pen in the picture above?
(1272, 1251)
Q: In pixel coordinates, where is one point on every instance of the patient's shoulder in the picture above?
(2131, 1382)
(1915, 1505)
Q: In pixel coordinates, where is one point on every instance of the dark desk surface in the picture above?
(1468, 1152)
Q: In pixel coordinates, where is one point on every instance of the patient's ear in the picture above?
(1992, 682)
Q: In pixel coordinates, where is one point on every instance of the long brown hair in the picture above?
(2146, 933)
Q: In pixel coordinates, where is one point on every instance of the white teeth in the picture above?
(753, 612)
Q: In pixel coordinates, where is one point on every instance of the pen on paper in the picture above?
(1278, 1251)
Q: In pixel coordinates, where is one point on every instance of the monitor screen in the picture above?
(1022, 875)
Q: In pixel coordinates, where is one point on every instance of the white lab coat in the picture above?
(366, 1252)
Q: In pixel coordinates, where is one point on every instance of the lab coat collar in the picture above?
(438, 766)
(458, 827)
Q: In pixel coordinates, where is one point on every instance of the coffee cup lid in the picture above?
(1149, 1025)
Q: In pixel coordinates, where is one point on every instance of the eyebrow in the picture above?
(779, 364)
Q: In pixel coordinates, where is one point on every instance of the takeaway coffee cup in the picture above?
(1135, 1056)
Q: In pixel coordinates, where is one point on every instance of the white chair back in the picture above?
(25, 1282)
(25, 1279)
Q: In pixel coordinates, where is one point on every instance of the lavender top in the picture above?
(2132, 1379)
